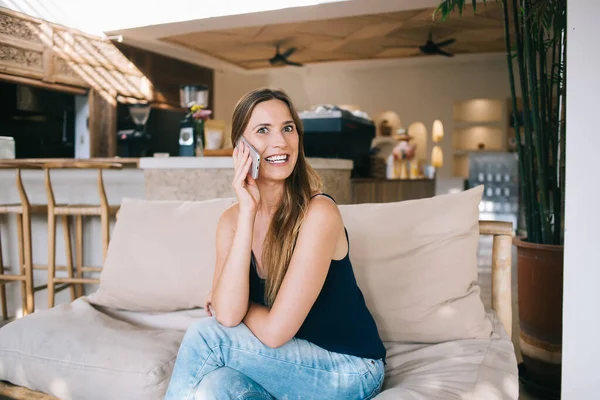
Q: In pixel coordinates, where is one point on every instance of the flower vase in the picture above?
(199, 134)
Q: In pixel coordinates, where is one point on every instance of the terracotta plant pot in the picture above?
(540, 281)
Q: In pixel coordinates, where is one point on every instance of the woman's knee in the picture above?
(207, 334)
(227, 383)
(202, 325)
(198, 332)
(209, 330)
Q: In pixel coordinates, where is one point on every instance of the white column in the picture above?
(581, 343)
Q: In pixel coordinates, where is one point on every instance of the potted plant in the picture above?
(536, 37)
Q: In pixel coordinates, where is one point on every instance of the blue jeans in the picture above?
(219, 363)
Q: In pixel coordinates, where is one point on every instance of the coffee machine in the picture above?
(135, 142)
(191, 130)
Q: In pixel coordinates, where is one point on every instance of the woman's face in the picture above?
(272, 131)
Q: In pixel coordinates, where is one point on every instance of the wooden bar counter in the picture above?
(126, 162)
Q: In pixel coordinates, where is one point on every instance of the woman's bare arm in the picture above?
(304, 279)
(231, 283)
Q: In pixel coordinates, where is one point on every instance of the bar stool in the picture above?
(102, 210)
(22, 212)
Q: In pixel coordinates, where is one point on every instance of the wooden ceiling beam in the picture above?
(351, 38)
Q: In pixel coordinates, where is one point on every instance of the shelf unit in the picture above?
(479, 125)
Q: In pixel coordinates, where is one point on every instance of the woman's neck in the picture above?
(270, 197)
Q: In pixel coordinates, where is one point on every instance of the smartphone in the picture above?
(255, 157)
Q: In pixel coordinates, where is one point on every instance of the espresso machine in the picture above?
(331, 132)
(191, 130)
(135, 142)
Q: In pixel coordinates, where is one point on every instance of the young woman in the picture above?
(290, 321)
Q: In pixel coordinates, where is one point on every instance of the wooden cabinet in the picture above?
(390, 190)
(166, 75)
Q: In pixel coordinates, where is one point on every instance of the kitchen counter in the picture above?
(202, 178)
(227, 162)
(126, 162)
(173, 162)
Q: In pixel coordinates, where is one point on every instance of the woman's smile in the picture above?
(278, 160)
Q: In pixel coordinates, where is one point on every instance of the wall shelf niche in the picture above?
(479, 125)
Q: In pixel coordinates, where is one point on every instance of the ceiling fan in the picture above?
(430, 47)
(282, 58)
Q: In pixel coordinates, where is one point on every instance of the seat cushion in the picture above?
(416, 264)
(482, 369)
(74, 351)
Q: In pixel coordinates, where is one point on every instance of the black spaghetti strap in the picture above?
(323, 194)
(345, 230)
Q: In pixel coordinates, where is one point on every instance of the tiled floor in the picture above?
(485, 281)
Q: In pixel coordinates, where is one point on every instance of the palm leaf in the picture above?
(446, 7)
(539, 47)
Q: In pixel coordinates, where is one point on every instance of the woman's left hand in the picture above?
(208, 303)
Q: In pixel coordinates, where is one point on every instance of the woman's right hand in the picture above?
(244, 185)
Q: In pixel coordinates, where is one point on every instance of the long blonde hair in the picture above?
(282, 233)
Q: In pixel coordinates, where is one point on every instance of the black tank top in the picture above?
(339, 320)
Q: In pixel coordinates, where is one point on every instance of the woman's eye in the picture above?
(262, 130)
(288, 128)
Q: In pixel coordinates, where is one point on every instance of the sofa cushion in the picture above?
(460, 369)
(73, 351)
(416, 263)
(161, 255)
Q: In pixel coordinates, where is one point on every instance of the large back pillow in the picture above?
(161, 256)
(416, 263)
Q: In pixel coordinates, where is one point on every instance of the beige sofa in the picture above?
(415, 262)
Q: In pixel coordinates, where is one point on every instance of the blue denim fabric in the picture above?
(227, 383)
(216, 362)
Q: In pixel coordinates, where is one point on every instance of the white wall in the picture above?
(422, 89)
(229, 87)
(581, 345)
